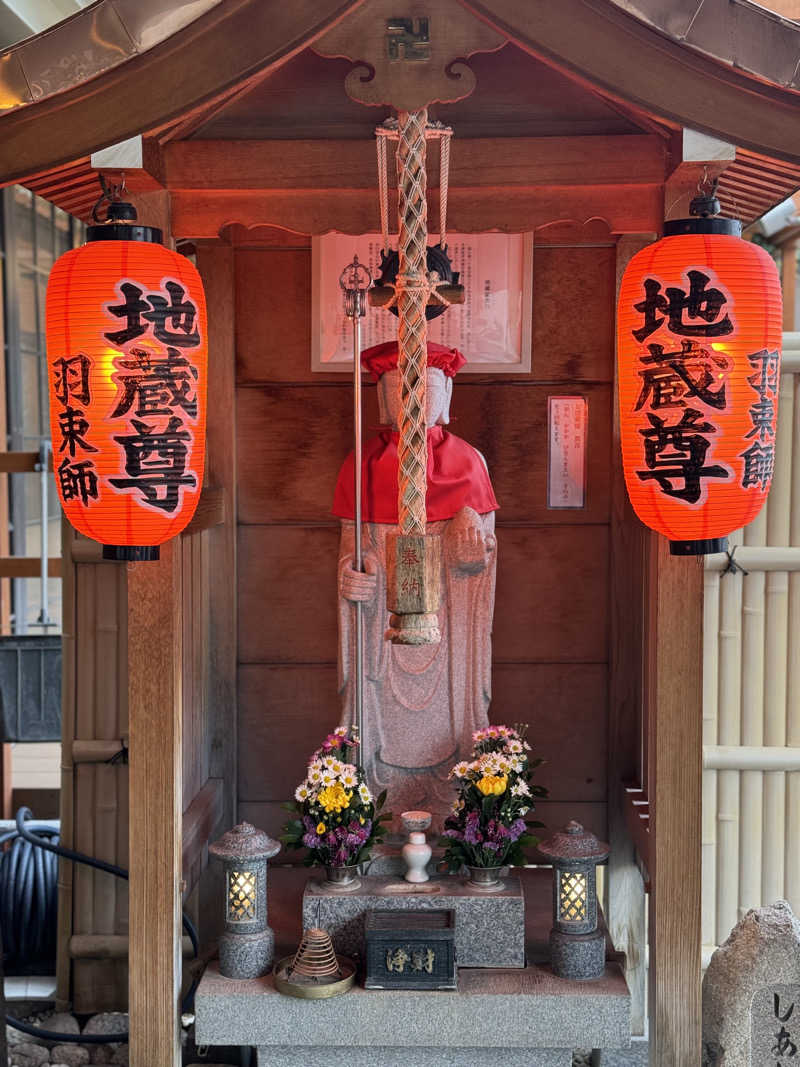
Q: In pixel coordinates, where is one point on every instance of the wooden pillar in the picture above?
(156, 784)
(627, 905)
(673, 682)
(156, 802)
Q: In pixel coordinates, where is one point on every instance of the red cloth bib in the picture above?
(457, 478)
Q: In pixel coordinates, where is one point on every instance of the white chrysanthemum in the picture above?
(348, 779)
(526, 746)
(330, 762)
(328, 777)
(514, 746)
(364, 794)
(314, 774)
(517, 765)
(302, 793)
(461, 769)
(340, 731)
(520, 789)
(524, 810)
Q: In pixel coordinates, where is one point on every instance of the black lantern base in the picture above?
(581, 957)
(699, 548)
(131, 553)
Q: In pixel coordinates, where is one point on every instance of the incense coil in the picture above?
(315, 958)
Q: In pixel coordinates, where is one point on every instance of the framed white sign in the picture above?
(568, 423)
(492, 328)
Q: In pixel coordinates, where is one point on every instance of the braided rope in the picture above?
(383, 188)
(412, 296)
(444, 182)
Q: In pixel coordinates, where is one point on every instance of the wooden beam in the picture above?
(110, 946)
(28, 567)
(626, 908)
(477, 162)
(216, 265)
(626, 209)
(674, 699)
(20, 462)
(789, 282)
(199, 823)
(210, 510)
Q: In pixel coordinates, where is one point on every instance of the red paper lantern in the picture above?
(699, 341)
(127, 358)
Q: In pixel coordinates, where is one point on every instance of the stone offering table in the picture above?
(490, 927)
(522, 1017)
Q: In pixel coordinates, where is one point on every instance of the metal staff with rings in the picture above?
(354, 281)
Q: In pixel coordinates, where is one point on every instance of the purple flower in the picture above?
(310, 840)
(516, 829)
(309, 823)
(472, 833)
(341, 856)
(455, 834)
(491, 846)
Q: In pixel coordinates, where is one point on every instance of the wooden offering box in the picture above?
(412, 949)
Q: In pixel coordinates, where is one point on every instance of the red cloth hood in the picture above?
(457, 478)
(380, 358)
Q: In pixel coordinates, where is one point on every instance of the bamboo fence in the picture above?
(751, 697)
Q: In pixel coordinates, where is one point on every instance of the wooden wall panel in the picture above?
(552, 595)
(281, 710)
(287, 594)
(291, 442)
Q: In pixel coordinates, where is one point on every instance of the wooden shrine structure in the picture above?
(590, 122)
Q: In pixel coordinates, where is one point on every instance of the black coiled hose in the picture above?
(28, 908)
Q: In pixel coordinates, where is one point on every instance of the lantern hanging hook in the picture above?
(112, 193)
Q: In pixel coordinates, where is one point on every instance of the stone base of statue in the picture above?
(490, 929)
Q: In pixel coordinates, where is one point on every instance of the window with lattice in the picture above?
(572, 899)
(241, 896)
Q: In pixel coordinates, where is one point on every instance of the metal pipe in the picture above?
(750, 758)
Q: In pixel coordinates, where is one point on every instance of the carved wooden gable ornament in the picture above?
(411, 53)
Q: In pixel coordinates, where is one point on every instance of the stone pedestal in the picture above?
(490, 927)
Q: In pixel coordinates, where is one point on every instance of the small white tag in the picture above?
(568, 420)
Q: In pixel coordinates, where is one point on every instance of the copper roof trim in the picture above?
(87, 44)
(738, 33)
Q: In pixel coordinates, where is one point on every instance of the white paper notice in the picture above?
(491, 328)
(568, 418)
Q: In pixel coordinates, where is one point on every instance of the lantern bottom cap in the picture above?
(131, 553)
(705, 547)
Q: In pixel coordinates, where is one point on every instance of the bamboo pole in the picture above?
(766, 558)
(728, 733)
(710, 715)
(751, 758)
(792, 872)
(776, 654)
(751, 785)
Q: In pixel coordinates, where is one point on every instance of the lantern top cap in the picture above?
(244, 842)
(575, 843)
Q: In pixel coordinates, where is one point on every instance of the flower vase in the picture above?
(342, 879)
(417, 852)
(485, 879)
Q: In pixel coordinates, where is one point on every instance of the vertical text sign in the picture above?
(567, 419)
(775, 1026)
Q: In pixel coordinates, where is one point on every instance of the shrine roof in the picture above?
(124, 67)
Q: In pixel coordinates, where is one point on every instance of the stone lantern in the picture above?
(247, 947)
(577, 947)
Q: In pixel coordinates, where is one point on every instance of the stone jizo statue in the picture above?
(421, 704)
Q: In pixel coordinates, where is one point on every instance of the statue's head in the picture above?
(443, 364)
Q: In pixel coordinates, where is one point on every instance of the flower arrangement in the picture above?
(487, 826)
(336, 817)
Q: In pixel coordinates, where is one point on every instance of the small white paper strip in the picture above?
(568, 419)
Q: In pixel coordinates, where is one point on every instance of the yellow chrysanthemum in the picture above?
(334, 798)
(320, 827)
(493, 784)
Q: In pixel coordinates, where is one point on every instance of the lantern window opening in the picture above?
(573, 894)
(242, 896)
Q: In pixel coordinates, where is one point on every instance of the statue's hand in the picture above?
(471, 548)
(358, 587)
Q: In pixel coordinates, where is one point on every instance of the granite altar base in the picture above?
(490, 927)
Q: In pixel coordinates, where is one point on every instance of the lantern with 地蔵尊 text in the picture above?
(127, 356)
(699, 323)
